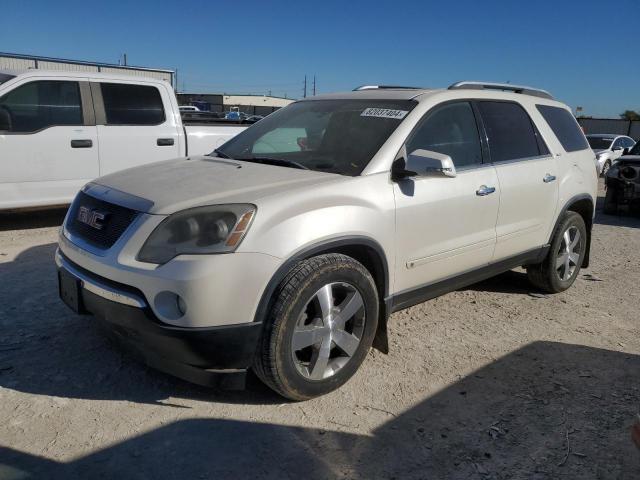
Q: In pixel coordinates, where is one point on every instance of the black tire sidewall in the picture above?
(571, 219)
(289, 376)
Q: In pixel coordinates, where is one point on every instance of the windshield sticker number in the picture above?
(384, 113)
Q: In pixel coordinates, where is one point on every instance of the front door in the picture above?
(48, 146)
(445, 226)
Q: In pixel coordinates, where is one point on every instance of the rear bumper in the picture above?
(210, 356)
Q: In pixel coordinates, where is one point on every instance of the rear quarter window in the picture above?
(565, 127)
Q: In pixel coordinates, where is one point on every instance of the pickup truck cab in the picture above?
(58, 130)
(287, 248)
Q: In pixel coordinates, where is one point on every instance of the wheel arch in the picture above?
(361, 248)
(584, 206)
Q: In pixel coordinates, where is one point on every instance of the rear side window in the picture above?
(565, 127)
(450, 129)
(132, 104)
(41, 104)
(510, 131)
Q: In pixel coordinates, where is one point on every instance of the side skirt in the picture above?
(408, 298)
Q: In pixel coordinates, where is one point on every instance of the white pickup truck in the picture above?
(58, 130)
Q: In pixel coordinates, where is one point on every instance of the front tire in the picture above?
(605, 168)
(561, 266)
(320, 327)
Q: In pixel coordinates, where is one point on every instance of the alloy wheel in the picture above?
(569, 253)
(328, 331)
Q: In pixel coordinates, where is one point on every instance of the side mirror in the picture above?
(5, 120)
(425, 163)
(616, 149)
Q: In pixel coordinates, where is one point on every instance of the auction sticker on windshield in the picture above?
(384, 113)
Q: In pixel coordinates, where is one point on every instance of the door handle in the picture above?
(164, 142)
(81, 143)
(548, 178)
(484, 190)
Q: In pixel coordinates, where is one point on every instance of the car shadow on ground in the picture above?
(546, 411)
(24, 220)
(46, 349)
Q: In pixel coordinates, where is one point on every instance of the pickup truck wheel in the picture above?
(561, 266)
(610, 204)
(320, 327)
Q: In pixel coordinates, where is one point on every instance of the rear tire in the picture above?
(561, 266)
(610, 203)
(320, 328)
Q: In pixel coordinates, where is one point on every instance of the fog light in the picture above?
(170, 306)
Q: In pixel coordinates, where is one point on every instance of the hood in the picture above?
(628, 160)
(175, 185)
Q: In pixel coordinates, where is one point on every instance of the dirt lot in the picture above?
(494, 381)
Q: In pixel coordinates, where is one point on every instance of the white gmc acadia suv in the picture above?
(287, 248)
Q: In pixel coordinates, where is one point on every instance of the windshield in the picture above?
(4, 77)
(599, 143)
(337, 136)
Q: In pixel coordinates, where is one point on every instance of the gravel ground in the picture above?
(492, 382)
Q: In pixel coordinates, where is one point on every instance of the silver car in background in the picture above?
(608, 148)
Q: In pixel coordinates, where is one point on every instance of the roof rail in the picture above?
(536, 92)
(383, 87)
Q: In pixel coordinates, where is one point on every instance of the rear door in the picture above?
(446, 226)
(135, 124)
(527, 176)
(49, 148)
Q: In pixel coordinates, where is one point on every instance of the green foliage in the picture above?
(630, 115)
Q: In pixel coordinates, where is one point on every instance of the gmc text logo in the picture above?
(93, 218)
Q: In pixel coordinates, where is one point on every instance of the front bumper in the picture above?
(626, 190)
(210, 356)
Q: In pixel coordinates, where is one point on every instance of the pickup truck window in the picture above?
(126, 104)
(337, 136)
(41, 104)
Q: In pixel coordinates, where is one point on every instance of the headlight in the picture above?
(200, 230)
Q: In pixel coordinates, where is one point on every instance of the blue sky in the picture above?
(580, 50)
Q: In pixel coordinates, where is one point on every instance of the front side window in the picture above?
(337, 136)
(450, 129)
(126, 104)
(41, 104)
(565, 127)
(510, 132)
(619, 143)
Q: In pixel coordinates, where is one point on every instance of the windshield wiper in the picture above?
(280, 162)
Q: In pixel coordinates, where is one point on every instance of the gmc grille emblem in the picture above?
(93, 218)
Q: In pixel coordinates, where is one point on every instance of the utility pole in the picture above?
(314, 85)
(305, 87)
(125, 59)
